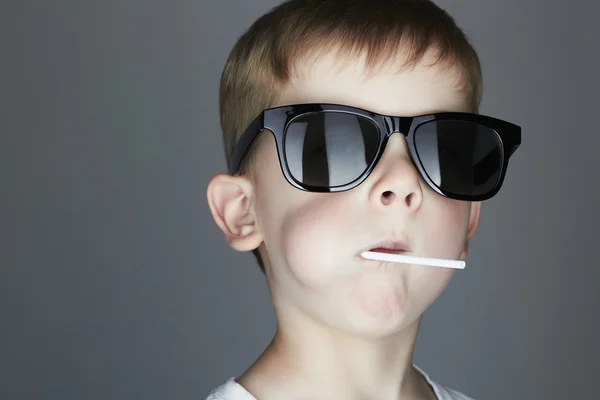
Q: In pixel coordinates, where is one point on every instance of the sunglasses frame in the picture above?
(277, 120)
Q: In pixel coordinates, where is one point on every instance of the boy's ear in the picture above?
(472, 227)
(231, 202)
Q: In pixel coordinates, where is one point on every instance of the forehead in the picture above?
(389, 90)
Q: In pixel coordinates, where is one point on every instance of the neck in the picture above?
(308, 360)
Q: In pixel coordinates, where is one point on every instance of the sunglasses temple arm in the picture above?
(242, 146)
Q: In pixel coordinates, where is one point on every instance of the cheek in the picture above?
(301, 230)
(312, 240)
(446, 228)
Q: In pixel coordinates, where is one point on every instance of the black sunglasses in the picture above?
(333, 148)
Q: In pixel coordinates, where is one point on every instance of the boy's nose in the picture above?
(396, 180)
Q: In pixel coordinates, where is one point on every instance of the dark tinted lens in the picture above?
(460, 157)
(329, 149)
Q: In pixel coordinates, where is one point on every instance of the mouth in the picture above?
(387, 246)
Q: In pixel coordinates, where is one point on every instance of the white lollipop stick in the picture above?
(400, 258)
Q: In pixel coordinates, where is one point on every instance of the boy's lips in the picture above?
(389, 246)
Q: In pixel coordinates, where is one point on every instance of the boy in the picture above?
(326, 163)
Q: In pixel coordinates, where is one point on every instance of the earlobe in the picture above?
(472, 227)
(230, 199)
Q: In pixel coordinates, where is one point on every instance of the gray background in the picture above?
(116, 283)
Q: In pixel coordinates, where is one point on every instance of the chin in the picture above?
(377, 317)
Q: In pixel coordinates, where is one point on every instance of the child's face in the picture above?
(313, 240)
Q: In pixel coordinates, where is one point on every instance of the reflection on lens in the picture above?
(460, 157)
(329, 149)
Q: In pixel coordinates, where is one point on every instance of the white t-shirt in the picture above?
(231, 390)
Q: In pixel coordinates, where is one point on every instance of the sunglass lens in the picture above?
(460, 157)
(329, 149)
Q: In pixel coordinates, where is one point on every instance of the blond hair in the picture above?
(262, 61)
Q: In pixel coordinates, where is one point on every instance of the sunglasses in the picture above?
(334, 148)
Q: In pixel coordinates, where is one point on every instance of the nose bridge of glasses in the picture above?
(398, 124)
